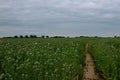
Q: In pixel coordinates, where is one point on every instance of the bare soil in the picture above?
(89, 69)
(89, 72)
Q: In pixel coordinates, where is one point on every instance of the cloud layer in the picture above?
(60, 17)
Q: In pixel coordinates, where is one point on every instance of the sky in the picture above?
(60, 17)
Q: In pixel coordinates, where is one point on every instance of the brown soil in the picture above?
(89, 72)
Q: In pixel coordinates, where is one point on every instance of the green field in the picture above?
(57, 58)
(106, 55)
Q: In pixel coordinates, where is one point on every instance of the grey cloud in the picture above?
(54, 15)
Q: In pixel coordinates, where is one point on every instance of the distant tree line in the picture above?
(46, 36)
(29, 36)
(26, 36)
(116, 36)
(58, 37)
(35, 36)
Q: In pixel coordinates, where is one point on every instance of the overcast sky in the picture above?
(60, 17)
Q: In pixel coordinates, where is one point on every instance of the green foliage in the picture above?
(57, 58)
(41, 59)
(106, 54)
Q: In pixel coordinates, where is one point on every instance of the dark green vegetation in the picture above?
(41, 59)
(57, 58)
(106, 55)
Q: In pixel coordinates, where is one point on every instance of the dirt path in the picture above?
(89, 72)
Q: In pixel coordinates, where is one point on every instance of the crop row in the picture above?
(57, 59)
(41, 59)
(106, 55)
